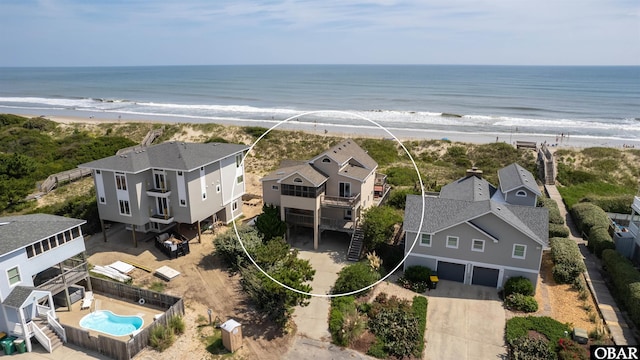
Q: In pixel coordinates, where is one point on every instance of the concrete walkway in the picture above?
(618, 327)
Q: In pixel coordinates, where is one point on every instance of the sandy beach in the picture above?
(361, 128)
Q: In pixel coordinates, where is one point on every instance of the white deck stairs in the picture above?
(42, 324)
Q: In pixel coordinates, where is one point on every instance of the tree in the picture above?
(355, 277)
(377, 225)
(269, 223)
(228, 247)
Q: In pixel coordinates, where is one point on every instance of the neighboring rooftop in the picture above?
(19, 231)
(172, 155)
(514, 176)
(348, 151)
(469, 188)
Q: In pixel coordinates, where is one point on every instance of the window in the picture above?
(521, 193)
(121, 181)
(452, 242)
(98, 172)
(75, 232)
(124, 207)
(425, 240)
(52, 242)
(38, 248)
(477, 245)
(519, 251)
(204, 196)
(183, 202)
(30, 253)
(238, 160)
(326, 160)
(274, 187)
(179, 173)
(234, 206)
(298, 180)
(240, 179)
(14, 275)
(218, 188)
(102, 200)
(45, 245)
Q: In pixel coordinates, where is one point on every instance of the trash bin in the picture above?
(20, 346)
(7, 345)
(433, 281)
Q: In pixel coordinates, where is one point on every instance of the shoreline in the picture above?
(370, 130)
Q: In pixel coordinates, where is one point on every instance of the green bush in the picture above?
(255, 131)
(554, 211)
(611, 203)
(557, 230)
(417, 273)
(378, 225)
(525, 348)
(391, 255)
(626, 282)
(355, 277)
(519, 302)
(567, 259)
(396, 325)
(384, 152)
(345, 324)
(229, 249)
(519, 327)
(600, 240)
(588, 216)
(177, 325)
(402, 176)
(378, 350)
(398, 197)
(575, 194)
(419, 307)
(518, 285)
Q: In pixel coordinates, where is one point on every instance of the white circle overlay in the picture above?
(235, 229)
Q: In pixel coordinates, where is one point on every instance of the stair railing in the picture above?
(55, 325)
(42, 338)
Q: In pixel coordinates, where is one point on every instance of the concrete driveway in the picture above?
(465, 322)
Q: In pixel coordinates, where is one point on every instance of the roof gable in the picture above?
(469, 188)
(305, 171)
(348, 151)
(514, 176)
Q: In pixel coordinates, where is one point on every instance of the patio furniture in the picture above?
(88, 299)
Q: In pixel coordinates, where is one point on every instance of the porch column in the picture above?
(52, 306)
(133, 235)
(316, 229)
(25, 331)
(104, 231)
(66, 288)
(199, 233)
(86, 269)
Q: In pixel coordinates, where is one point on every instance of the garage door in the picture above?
(485, 276)
(451, 271)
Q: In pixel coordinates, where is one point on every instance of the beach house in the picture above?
(476, 233)
(42, 259)
(152, 188)
(328, 192)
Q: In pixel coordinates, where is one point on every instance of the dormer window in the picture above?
(326, 160)
(521, 193)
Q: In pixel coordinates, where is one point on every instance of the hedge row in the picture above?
(616, 204)
(419, 307)
(554, 212)
(567, 259)
(594, 222)
(626, 282)
(557, 230)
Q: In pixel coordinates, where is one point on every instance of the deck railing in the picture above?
(71, 276)
(42, 338)
(340, 201)
(55, 325)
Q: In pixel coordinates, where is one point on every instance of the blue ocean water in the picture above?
(583, 101)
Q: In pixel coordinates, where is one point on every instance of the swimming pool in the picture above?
(106, 322)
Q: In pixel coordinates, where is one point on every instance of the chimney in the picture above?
(474, 171)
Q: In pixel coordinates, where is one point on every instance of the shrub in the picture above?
(229, 249)
(519, 302)
(378, 225)
(518, 327)
(176, 324)
(419, 307)
(626, 282)
(417, 273)
(557, 230)
(525, 348)
(600, 240)
(336, 318)
(378, 350)
(398, 197)
(345, 323)
(402, 176)
(567, 259)
(255, 131)
(570, 350)
(397, 327)
(588, 216)
(611, 203)
(161, 338)
(554, 211)
(391, 255)
(518, 285)
(355, 277)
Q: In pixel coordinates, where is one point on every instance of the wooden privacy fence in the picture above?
(128, 348)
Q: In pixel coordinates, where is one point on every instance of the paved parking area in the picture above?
(465, 322)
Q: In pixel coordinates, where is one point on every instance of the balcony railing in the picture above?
(71, 276)
(164, 190)
(340, 201)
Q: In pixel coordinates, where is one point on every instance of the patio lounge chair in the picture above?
(86, 302)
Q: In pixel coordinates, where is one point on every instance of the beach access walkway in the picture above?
(611, 314)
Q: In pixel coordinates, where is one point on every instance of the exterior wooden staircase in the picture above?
(357, 242)
(55, 341)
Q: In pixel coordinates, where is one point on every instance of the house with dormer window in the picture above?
(41, 259)
(476, 233)
(152, 188)
(328, 192)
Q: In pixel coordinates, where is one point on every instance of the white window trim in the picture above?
(123, 181)
(473, 241)
(430, 240)
(120, 208)
(234, 206)
(457, 242)
(239, 179)
(19, 275)
(524, 253)
(521, 193)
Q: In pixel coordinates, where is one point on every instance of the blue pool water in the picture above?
(109, 323)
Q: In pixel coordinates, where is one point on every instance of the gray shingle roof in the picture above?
(469, 188)
(355, 172)
(346, 151)
(17, 232)
(442, 213)
(304, 170)
(515, 176)
(171, 155)
(18, 296)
